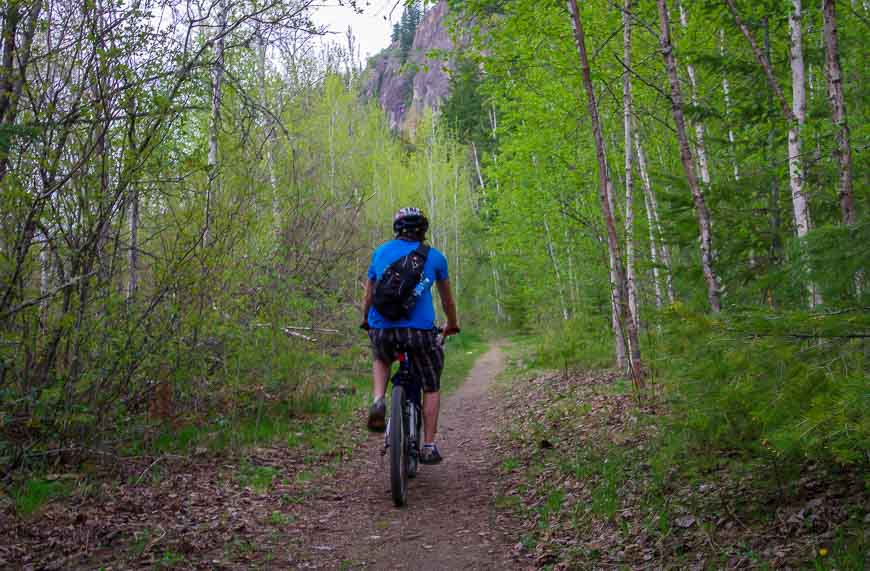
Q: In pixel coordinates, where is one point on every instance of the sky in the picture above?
(370, 27)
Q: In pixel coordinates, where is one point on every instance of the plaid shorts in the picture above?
(427, 355)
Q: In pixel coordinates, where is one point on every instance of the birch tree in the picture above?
(700, 144)
(631, 286)
(795, 116)
(604, 192)
(703, 215)
(217, 75)
(834, 75)
(658, 249)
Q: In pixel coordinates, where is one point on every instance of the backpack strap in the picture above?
(422, 251)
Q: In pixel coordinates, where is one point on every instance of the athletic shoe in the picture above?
(377, 416)
(430, 455)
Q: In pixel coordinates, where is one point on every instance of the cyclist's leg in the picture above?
(382, 353)
(431, 408)
(380, 375)
(427, 364)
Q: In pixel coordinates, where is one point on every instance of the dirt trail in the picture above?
(449, 524)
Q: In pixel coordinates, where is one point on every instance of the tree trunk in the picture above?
(656, 242)
(838, 111)
(700, 145)
(572, 276)
(795, 116)
(133, 255)
(268, 129)
(12, 79)
(559, 283)
(704, 224)
(616, 305)
(726, 91)
(496, 286)
(477, 166)
(604, 189)
(629, 160)
(617, 297)
(802, 220)
(217, 75)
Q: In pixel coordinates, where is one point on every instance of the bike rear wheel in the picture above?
(398, 439)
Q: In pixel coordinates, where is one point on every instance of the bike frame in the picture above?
(413, 403)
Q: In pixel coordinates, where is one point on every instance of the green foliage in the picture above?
(35, 492)
(259, 478)
(753, 384)
(404, 30)
(579, 342)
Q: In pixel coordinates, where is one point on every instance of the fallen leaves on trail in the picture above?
(576, 455)
(200, 511)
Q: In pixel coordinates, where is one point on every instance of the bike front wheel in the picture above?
(398, 439)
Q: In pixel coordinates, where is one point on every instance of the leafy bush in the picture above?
(770, 386)
(586, 342)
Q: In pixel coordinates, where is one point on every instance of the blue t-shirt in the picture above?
(423, 314)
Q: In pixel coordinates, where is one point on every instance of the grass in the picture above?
(35, 492)
(617, 469)
(280, 520)
(258, 478)
(318, 423)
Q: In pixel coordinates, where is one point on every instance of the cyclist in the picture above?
(417, 333)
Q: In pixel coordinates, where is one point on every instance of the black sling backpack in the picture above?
(394, 290)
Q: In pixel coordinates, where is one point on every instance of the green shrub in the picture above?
(586, 342)
(769, 386)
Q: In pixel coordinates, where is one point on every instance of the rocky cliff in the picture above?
(405, 89)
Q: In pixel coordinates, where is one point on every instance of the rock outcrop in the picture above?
(405, 89)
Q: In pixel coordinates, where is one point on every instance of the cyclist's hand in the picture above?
(364, 326)
(450, 329)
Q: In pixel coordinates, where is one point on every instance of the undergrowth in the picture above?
(318, 423)
(600, 481)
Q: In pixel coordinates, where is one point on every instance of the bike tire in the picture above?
(398, 448)
(414, 455)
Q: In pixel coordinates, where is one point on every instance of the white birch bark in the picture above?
(217, 75)
(477, 166)
(704, 224)
(795, 115)
(838, 111)
(803, 223)
(617, 288)
(615, 320)
(555, 262)
(653, 253)
(656, 242)
(726, 91)
(629, 160)
(700, 145)
(457, 262)
(604, 194)
(572, 278)
(430, 155)
(268, 129)
(834, 74)
(496, 285)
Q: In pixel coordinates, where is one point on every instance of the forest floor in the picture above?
(600, 482)
(555, 470)
(275, 509)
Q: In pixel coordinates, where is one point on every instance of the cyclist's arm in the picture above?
(368, 300)
(449, 307)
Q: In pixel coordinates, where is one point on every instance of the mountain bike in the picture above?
(404, 439)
